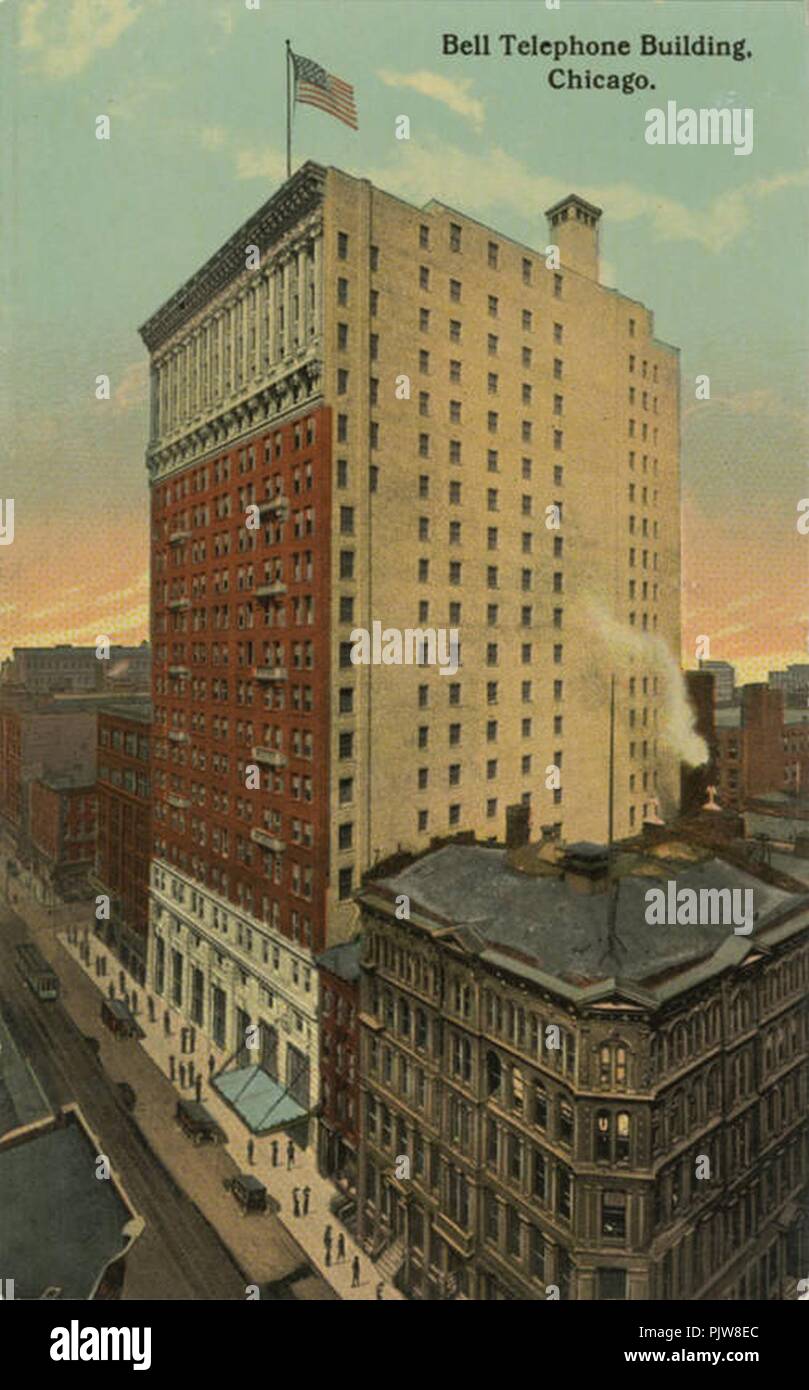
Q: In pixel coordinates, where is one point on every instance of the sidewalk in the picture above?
(306, 1230)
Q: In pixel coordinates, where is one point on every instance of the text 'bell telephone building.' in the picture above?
(440, 428)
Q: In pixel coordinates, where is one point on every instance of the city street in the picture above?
(180, 1255)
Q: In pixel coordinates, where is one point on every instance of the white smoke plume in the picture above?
(677, 730)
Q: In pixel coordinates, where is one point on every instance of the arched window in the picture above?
(602, 1137)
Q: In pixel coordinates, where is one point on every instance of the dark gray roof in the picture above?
(776, 827)
(68, 782)
(21, 1100)
(342, 960)
(60, 1225)
(137, 709)
(542, 924)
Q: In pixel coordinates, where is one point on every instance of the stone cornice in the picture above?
(297, 386)
(297, 197)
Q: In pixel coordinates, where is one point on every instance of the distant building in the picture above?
(762, 747)
(63, 835)
(40, 738)
(549, 1103)
(724, 680)
(124, 830)
(45, 670)
(339, 969)
(794, 681)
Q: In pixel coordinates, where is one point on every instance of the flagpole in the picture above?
(289, 116)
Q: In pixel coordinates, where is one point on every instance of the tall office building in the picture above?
(368, 412)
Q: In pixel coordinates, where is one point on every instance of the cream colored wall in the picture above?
(595, 384)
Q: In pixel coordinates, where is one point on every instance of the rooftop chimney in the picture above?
(585, 867)
(518, 825)
(573, 227)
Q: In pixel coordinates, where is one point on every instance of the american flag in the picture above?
(316, 87)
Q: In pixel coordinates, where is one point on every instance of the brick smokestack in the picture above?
(573, 227)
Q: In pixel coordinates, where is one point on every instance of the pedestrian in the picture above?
(328, 1256)
(306, 1192)
(182, 1075)
(198, 1084)
(274, 1147)
(211, 1064)
(296, 1210)
(341, 1246)
(251, 1149)
(355, 1272)
(290, 1154)
(171, 1067)
(327, 1237)
(379, 1289)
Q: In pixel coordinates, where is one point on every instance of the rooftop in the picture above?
(61, 1227)
(730, 716)
(541, 926)
(68, 782)
(133, 708)
(342, 960)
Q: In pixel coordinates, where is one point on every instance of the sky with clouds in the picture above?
(97, 234)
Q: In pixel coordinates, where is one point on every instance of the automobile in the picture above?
(249, 1192)
(127, 1094)
(198, 1123)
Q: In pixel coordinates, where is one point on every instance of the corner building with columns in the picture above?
(363, 411)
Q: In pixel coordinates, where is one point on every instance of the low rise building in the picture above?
(560, 1099)
(339, 970)
(762, 747)
(724, 680)
(124, 830)
(63, 835)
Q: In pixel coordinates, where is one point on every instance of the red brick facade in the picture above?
(767, 751)
(339, 1061)
(11, 767)
(124, 834)
(240, 641)
(63, 824)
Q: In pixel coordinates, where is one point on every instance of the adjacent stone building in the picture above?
(560, 1099)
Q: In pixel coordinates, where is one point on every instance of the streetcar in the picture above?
(40, 977)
